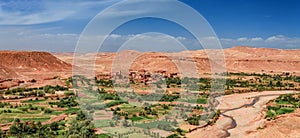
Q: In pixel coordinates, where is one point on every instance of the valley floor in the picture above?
(243, 116)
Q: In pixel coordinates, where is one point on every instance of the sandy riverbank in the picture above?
(242, 115)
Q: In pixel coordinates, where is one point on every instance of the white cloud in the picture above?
(46, 11)
(276, 38)
(30, 39)
(24, 39)
(133, 7)
(139, 42)
(180, 38)
(257, 39)
(242, 39)
(115, 36)
(36, 18)
(277, 41)
(51, 11)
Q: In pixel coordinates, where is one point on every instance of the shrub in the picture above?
(48, 111)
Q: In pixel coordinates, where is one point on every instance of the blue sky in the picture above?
(56, 25)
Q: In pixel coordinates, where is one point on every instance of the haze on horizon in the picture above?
(56, 26)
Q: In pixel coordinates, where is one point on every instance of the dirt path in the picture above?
(55, 119)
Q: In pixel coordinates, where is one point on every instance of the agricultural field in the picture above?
(40, 112)
(284, 104)
(185, 102)
(109, 113)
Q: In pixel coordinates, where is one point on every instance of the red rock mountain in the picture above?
(237, 59)
(6, 73)
(29, 65)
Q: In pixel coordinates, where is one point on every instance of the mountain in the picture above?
(31, 65)
(237, 59)
(6, 73)
(249, 59)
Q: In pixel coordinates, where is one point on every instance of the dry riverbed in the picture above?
(242, 115)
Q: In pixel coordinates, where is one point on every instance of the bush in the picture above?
(48, 111)
(173, 136)
(69, 93)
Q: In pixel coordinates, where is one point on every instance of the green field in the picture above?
(284, 104)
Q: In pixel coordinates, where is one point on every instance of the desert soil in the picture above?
(243, 114)
(236, 59)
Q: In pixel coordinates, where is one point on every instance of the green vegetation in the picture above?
(296, 79)
(32, 107)
(173, 136)
(38, 92)
(140, 114)
(160, 97)
(104, 136)
(78, 127)
(105, 83)
(244, 82)
(173, 82)
(81, 127)
(282, 105)
(34, 129)
(38, 115)
(65, 102)
(71, 110)
(108, 96)
(113, 103)
(195, 119)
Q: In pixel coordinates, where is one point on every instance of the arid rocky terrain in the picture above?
(284, 126)
(35, 65)
(17, 67)
(243, 116)
(237, 59)
(26, 66)
(18, 64)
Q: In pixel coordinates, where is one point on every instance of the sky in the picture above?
(56, 26)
